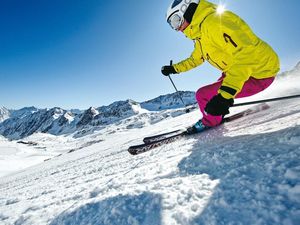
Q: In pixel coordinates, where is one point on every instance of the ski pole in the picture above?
(266, 100)
(186, 109)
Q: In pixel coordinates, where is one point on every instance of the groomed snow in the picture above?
(243, 172)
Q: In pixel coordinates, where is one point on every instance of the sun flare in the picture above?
(220, 9)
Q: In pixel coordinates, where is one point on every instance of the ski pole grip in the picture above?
(171, 62)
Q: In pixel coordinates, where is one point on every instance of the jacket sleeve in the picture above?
(193, 61)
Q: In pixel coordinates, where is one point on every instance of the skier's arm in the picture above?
(193, 61)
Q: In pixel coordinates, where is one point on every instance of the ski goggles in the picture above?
(175, 21)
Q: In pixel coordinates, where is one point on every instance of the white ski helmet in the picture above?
(176, 11)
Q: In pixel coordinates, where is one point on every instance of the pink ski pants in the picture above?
(204, 94)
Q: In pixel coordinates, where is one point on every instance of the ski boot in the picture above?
(196, 128)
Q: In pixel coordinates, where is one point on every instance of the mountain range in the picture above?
(17, 124)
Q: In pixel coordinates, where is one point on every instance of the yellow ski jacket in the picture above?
(228, 43)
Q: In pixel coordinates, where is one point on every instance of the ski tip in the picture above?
(132, 151)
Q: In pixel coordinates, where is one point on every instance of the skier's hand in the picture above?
(167, 70)
(218, 105)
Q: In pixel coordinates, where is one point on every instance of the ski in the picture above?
(165, 138)
(138, 149)
(158, 137)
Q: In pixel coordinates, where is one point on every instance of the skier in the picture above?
(248, 64)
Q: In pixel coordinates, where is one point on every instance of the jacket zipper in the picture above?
(211, 60)
(208, 57)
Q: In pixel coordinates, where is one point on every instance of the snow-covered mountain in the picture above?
(21, 123)
(170, 101)
(40, 121)
(294, 72)
(21, 113)
(242, 172)
(4, 114)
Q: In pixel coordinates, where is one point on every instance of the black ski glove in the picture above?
(218, 105)
(167, 70)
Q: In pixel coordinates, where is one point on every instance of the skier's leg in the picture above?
(204, 94)
(254, 86)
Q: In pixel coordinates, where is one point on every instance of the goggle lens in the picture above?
(175, 21)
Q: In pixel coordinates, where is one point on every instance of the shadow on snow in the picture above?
(122, 210)
(259, 177)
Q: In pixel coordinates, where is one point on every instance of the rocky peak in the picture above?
(170, 101)
(4, 114)
(120, 109)
(87, 116)
(21, 113)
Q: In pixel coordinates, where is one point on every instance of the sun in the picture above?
(220, 9)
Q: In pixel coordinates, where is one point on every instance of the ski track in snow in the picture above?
(243, 172)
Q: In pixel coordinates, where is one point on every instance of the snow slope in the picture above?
(244, 172)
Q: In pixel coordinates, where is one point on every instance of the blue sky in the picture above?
(81, 53)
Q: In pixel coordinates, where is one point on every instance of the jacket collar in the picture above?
(203, 10)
